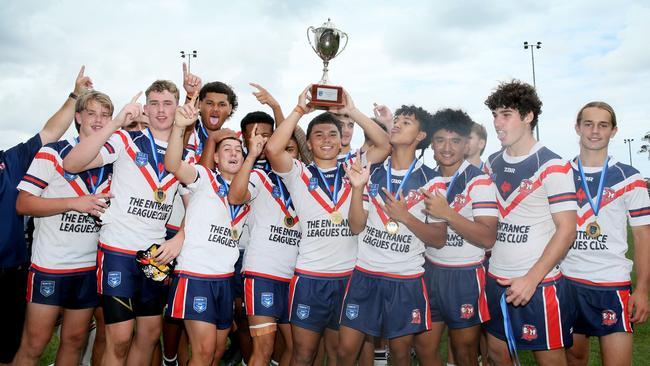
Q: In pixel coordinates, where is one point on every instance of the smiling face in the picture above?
(510, 126)
(229, 156)
(160, 109)
(595, 128)
(324, 141)
(215, 110)
(449, 148)
(93, 118)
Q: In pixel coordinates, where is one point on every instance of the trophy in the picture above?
(326, 42)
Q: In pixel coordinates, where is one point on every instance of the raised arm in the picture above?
(56, 126)
(85, 155)
(264, 97)
(380, 139)
(191, 83)
(281, 160)
(210, 146)
(358, 176)
(238, 193)
(185, 116)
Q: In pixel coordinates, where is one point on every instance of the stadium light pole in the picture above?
(629, 147)
(532, 47)
(189, 55)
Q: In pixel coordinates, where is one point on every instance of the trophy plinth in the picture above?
(326, 43)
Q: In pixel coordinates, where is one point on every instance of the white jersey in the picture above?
(274, 230)
(393, 255)
(602, 260)
(135, 220)
(472, 194)
(529, 189)
(326, 248)
(65, 242)
(210, 248)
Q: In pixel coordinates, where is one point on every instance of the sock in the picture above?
(170, 361)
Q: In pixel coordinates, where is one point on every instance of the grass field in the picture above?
(641, 351)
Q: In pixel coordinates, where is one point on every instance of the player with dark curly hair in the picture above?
(528, 299)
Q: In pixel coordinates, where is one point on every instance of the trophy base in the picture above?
(326, 96)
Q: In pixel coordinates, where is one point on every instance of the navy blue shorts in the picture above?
(267, 297)
(316, 301)
(67, 290)
(601, 310)
(457, 295)
(545, 323)
(238, 278)
(208, 300)
(119, 275)
(386, 307)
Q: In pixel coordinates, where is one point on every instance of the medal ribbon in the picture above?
(510, 337)
(203, 133)
(601, 184)
(284, 204)
(93, 186)
(159, 173)
(233, 211)
(143, 169)
(389, 185)
(333, 195)
(451, 185)
(328, 208)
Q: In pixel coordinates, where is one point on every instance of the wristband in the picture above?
(189, 97)
(299, 110)
(73, 96)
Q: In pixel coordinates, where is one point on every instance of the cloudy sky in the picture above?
(430, 53)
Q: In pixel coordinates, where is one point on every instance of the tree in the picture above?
(645, 148)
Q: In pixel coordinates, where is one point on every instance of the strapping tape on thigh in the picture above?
(262, 329)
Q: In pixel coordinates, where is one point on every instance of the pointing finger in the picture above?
(257, 86)
(184, 70)
(81, 72)
(136, 97)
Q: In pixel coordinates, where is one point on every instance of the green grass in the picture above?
(640, 354)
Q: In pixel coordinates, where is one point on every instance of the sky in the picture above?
(434, 54)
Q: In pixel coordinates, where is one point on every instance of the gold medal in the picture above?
(392, 227)
(336, 218)
(593, 230)
(234, 234)
(289, 221)
(159, 195)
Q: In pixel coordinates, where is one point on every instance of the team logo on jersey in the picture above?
(47, 288)
(528, 332)
(313, 183)
(200, 304)
(302, 311)
(114, 279)
(222, 190)
(276, 192)
(69, 176)
(466, 311)
(581, 196)
(609, 317)
(267, 299)
(374, 190)
(459, 200)
(526, 186)
(141, 159)
(608, 195)
(505, 187)
(352, 311)
(415, 316)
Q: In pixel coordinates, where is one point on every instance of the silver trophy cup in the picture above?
(326, 41)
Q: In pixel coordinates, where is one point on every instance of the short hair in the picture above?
(481, 132)
(453, 120)
(256, 117)
(216, 148)
(422, 116)
(160, 86)
(601, 105)
(517, 95)
(323, 119)
(220, 88)
(92, 96)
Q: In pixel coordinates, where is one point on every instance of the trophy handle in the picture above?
(313, 30)
(343, 34)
